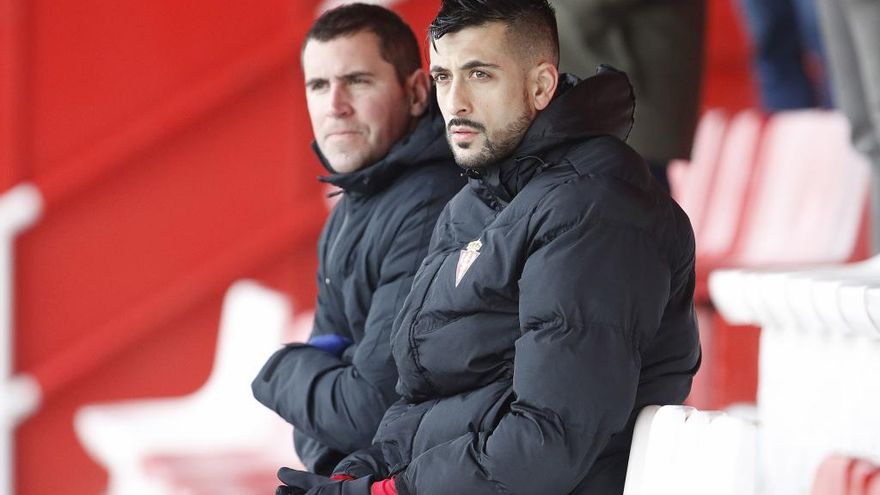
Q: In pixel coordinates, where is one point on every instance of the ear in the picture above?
(418, 89)
(543, 79)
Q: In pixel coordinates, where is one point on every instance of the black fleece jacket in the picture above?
(368, 252)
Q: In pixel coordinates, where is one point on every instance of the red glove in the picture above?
(384, 487)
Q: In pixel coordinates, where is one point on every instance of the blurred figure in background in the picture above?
(659, 44)
(851, 30)
(787, 53)
(379, 134)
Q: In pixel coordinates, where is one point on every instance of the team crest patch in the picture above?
(466, 258)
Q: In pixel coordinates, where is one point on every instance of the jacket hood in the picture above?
(599, 105)
(424, 145)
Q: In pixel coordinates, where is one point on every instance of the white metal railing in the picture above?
(20, 207)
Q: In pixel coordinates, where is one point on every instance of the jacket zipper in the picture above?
(336, 242)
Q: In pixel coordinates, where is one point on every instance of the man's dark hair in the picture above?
(530, 23)
(397, 43)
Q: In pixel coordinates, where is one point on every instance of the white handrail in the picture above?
(20, 207)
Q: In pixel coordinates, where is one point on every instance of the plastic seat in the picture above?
(729, 192)
(872, 485)
(821, 298)
(826, 296)
(832, 477)
(683, 451)
(862, 473)
(805, 209)
(658, 430)
(818, 395)
(220, 416)
(844, 475)
(241, 471)
(691, 181)
(872, 305)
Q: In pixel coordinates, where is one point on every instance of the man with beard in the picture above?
(556, 299)
(379, 134)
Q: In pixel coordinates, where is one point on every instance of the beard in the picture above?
(495, 147)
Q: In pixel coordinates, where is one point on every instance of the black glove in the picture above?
(298, 482)
(303, 483)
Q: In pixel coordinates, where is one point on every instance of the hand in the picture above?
(298, 482)
(302, 483)
(332, 342)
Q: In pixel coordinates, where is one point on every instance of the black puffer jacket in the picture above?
(556, 300)
(369, 250)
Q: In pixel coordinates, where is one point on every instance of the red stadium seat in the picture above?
(861, 474)
(872, 486)
(731, 188)
(805, 207)
(691, 181)
(843, 475)
(832, 477)
(240, 473)
(220, 417)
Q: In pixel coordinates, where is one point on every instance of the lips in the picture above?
(343, 132)
(463, 130)
(463, 133)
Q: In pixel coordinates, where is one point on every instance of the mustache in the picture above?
(465, 123)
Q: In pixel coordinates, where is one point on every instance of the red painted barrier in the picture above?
(171, 144)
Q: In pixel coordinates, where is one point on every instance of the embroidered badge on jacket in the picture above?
(466, 258)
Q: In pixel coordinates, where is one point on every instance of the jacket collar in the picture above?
(581, 109)
(425, 144)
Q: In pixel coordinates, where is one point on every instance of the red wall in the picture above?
(171, 142)
(727, 82)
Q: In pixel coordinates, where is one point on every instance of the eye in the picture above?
(359, 80)
(317, 85)
(478, 74)
(440, 78)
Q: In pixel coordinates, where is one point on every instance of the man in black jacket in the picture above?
(379, 134)
(556, 299)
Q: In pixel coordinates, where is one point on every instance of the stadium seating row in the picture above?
(775, 257)
(820, 359)
(819, 344)
(786, 190)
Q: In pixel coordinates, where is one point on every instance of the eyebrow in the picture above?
(345, 77)
(473, 64)
(355, 75)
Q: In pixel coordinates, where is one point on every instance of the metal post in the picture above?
(19, 396)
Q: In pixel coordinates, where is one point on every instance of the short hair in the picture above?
(397, 43)
(531, 22)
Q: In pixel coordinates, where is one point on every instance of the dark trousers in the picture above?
(788, 53)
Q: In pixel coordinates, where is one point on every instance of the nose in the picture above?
(340, 101)
(457, 99)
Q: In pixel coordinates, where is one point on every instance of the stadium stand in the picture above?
(219, 417)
